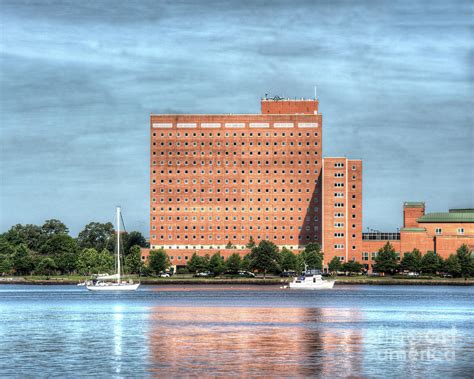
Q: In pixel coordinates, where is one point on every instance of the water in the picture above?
(356, 331)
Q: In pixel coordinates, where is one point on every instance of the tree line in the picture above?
(264, 258)
(459, 264)
(48, 249)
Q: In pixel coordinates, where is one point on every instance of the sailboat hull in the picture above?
(114, 287)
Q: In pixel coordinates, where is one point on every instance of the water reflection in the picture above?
(254, 341)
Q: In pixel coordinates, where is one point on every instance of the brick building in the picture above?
(341, 200)
(218, 180)
(442, 233)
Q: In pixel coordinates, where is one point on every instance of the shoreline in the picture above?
(259, 282)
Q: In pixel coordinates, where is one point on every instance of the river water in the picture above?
(349, 331)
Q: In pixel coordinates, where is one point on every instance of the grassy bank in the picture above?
(189, 280)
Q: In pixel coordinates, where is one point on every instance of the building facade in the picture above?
(341, 200)
(219, 180)
(441, 232)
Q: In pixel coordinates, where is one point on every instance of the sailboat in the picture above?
(101, 284)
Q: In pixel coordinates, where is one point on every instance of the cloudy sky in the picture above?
(79, 80)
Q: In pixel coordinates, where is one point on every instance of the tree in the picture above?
(411, 261)
(466, 260)
(246, 263)
(229, 245)
(287, 260)
(430, 263)
(264, 257)
(52, 227)
(29, 234)
(198, 263)
(335, 265)
(452, 265)
(133, 261)
(313, 257)
(158, 261)
(6, 264)
(6, 248)
(63, 249)
(87, 262)
(22, 261)
(133, 239)
(386, 259)
(251, 243)
(352, 266)
(216, 265)
(233, 263)
(46, 266)
(97, 236)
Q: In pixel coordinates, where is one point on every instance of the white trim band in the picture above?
(283, 125)
(157, 125)
(234, 125)
(259, 125)
(186, 125)
(308, 125)
(210, 125)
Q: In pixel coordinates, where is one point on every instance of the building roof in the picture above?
(414, 204)
(454, 215)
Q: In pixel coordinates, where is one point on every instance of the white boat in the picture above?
(311, 281)
(101, 284)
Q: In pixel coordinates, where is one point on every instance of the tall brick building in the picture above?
(220, 179)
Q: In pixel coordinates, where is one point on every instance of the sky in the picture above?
(79, 80)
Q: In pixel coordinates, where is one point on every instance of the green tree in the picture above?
(131, 239)
(430, 263)
(264, 257)
(63, 249)
(335, 265)
(313, 257)
(46, 266)
(411, 261)
(158, 261)
(352, 267)
(386, 259)
(216, 264)
(106, 262)
(466, 260)
(251, 243)
(198, 263)
(233, 263)
(6, 248)
(97, 236)
(52, 227)
(287, 260)
(229, 245)
(246, 263)
(87, 262)
(22, 260)
(452, 265)
(133, 261)
(6, 264)
(29, 234)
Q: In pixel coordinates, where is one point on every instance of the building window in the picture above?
(365, 256)
(461, 231)
(438, 231)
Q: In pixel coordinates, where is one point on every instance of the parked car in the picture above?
(413, 274)
(447, 276)
(202, 274)
(165, 275)
(288, 274)
(246, 274)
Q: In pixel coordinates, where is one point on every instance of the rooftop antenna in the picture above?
(315, 93)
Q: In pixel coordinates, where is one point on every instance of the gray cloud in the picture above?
(78, 82)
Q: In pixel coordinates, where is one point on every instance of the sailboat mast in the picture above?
(118, 245)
